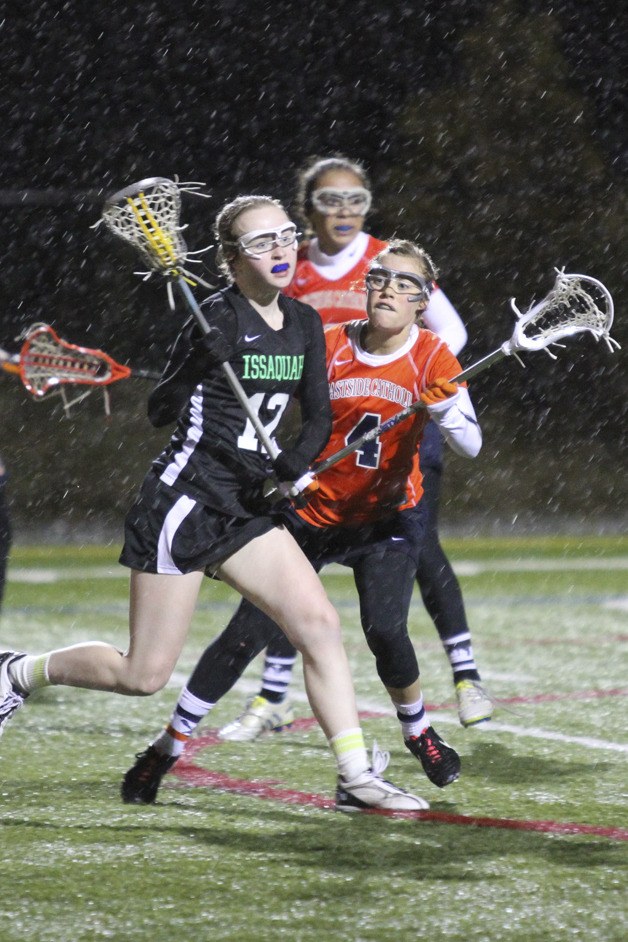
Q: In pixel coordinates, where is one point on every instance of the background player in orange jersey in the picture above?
(333, 199)
(367, 512)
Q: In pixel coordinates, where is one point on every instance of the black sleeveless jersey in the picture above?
(214, 455)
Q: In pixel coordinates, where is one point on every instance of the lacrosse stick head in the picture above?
(146, 214)
(48, 363)
(576, 304)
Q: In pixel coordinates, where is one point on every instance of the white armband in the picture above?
(458, 424)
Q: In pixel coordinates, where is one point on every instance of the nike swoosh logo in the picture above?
(342, 362)
(397, 539)
(251, 339)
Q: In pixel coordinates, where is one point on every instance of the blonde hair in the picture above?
(407, 249)
(223, 228)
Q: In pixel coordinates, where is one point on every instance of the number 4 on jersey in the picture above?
(368, 455)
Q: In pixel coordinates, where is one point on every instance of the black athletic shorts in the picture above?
(401, 532)
(168, 532)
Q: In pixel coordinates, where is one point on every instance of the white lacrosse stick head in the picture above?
(575, 304)
(146, 214)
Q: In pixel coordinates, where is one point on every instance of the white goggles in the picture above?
(329, 200)
(260, 241)
(401, 282)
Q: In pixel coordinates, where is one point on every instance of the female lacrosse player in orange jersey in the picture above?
(367, 512)
(333, 198)
(201, 508)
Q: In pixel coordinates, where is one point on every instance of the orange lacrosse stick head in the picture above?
(47, 363)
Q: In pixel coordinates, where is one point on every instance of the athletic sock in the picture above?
(276, 677)
(413, 717)
(459, 650)
(187, 714)
(271, 695)
(350, 753)
(30, 672)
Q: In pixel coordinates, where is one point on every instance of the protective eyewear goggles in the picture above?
(260, 241)
(401, 282)
(329, 200)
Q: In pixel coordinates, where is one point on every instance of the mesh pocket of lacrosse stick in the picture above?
(575, 304)
(146, 214)
(48, 363)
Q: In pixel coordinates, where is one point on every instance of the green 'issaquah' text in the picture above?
(269, 366)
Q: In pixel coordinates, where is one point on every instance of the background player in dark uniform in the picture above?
(367, 512)
(5, 529)
(333, 198)
(201, 510)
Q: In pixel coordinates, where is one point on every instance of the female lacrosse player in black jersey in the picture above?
(367, 513)
(201, 509)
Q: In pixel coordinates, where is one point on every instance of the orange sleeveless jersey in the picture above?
(338, 301)
(384, 476)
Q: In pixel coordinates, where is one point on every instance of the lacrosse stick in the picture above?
(146, 214)
(9, 362)
(576, 304)
(46, 363)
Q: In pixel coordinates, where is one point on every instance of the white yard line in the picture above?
(533, 732)
(618, 605)
(534, 564)
(43, 576)
(462, 567)
(248, 686)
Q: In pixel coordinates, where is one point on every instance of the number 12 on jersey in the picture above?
(274, 407)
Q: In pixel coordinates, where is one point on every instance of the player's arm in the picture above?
(180, 377)
(441, 317)
(313, 396)
(450, 406)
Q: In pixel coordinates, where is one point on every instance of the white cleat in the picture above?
(474, 704)
(11, 697)
(260, 716)
(370, 790)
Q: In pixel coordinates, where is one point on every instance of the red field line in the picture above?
(273, 790)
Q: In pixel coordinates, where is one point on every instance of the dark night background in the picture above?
(494, 132)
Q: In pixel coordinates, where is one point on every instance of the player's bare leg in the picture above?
(161, 609)
(273, 573)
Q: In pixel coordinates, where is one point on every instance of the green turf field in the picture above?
(529, 844)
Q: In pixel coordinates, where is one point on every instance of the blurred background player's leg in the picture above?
(5, 529)
(269, 710)
(442, 596)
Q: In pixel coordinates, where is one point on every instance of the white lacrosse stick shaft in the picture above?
(234, 382)
(288, 490)
(517, 342)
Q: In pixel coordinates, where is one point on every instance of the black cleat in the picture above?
(141, 783)
(440, 762)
